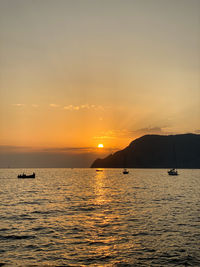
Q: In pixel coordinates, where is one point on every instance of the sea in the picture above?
(81, 217)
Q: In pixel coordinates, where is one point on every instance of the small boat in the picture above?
(125, 171)
(173, 172)
(99, 170)
(24, 176)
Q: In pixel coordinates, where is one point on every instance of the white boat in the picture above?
(173, 172)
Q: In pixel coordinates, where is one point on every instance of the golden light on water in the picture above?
(100, 145)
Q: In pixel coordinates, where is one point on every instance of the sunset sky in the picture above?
(77, 73)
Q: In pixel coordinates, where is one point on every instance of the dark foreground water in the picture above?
(79, 217)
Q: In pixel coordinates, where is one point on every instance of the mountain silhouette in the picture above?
(156, 151)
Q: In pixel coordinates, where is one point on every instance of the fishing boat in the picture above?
(125, 171)
(98, 170)
(24, 176)
(173, 172)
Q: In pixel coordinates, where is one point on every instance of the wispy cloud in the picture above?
(125, 133)
(68, 149)
(6, 149)
(68, 107)
(23, 105)
(78, 150)
(14, 149)
(71, 107)
(154, 130)
(19, 105)
(54, 105)
(84, 106)
(112, 134)
(149, 130)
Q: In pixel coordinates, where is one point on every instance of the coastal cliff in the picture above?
(156, 151)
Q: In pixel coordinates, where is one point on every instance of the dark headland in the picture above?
(156, 151)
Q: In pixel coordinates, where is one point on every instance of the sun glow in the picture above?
(100, 145)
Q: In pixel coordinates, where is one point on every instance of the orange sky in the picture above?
(78, 73)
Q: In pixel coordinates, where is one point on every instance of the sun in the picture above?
(100, 145)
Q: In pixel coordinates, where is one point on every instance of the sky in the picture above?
(74, 74)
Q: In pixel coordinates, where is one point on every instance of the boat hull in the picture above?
(172, 172)
(21, 176)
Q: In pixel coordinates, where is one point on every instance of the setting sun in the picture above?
(100, 145)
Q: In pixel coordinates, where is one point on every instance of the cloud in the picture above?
(84, 106)
(149, 130)
(103, 137)
(23, 105)
(68, 107)
(112, 134)
(125, 133)
(8, 149)
(68, 149)
(153, 130)
(54, 105)
(19, 105)
(75, 150)
(71, 107)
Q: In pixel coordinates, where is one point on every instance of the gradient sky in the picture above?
(75, 73)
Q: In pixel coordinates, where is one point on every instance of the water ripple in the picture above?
(82, 218)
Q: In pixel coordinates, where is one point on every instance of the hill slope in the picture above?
(156, 151)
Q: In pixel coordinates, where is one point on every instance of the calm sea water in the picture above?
(79, 217)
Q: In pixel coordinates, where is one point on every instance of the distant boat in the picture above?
(173, 172)
(125, 171)
(97, 170)
(24, 176)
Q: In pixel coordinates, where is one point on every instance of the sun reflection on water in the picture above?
(83, 217)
